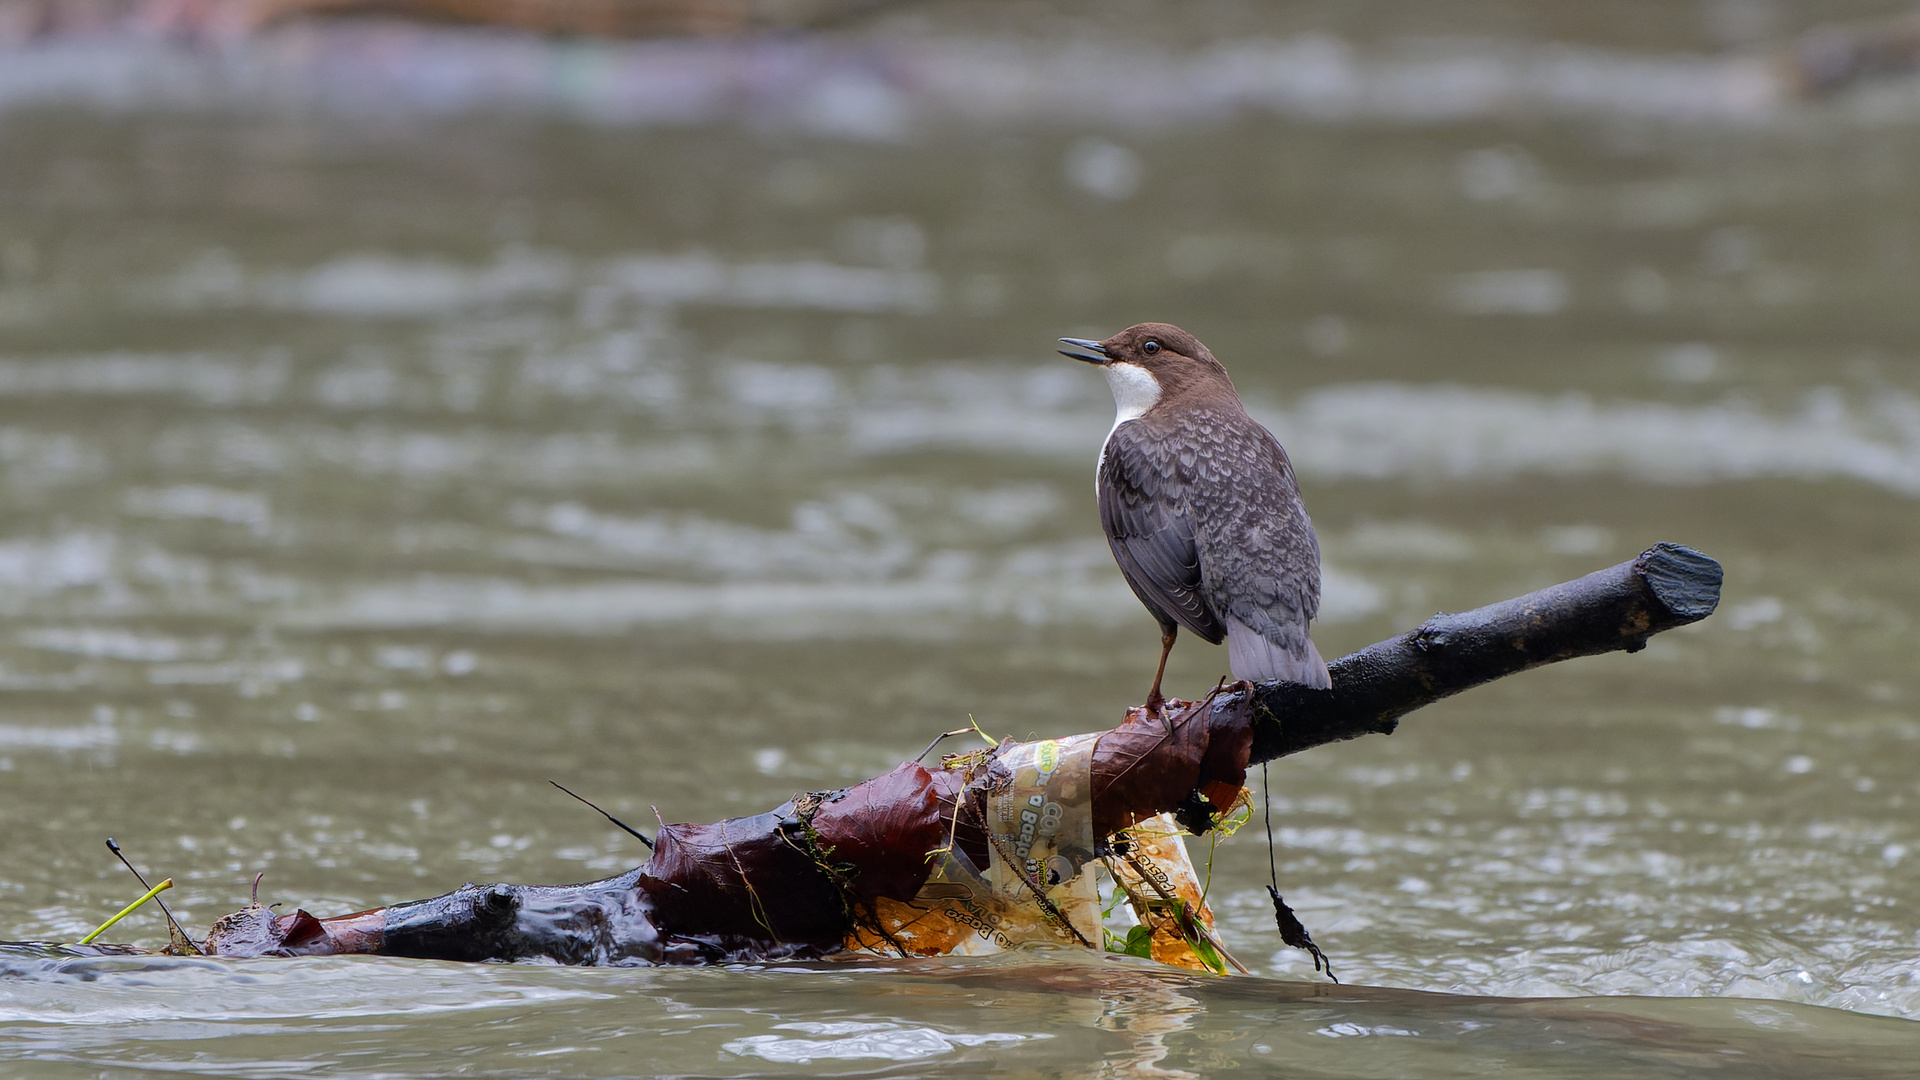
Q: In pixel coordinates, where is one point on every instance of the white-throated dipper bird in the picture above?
(1201, 509)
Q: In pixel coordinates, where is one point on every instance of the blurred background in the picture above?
(404, 403)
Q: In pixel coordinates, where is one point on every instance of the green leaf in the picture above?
(1208, 955)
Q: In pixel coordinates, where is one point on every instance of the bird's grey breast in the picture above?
(1147, 513)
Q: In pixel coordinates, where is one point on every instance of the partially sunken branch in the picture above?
(799, 879)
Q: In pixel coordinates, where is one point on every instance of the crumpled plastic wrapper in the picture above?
(1038, 885)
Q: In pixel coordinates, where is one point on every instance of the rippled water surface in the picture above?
(365, 468)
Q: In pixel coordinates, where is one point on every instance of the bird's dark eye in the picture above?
(1150, 348)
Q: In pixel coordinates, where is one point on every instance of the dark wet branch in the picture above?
(1611, 610)
(796, 880)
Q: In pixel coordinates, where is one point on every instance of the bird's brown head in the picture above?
(1174, 360)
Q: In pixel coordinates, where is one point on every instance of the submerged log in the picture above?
(794, 881)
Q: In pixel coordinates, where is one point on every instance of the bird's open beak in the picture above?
(1100, 351)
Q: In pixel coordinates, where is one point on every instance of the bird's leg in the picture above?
(1155, 703)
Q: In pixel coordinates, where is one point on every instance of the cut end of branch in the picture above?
(1685, 581)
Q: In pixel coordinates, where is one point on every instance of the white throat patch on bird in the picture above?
(1135, 390)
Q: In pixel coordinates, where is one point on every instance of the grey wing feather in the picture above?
(1150, 527)
(1261, 557)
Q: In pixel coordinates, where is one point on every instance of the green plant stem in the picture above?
(128, 910)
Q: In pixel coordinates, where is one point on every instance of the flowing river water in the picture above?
(377, 451)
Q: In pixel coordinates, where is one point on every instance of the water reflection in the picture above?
(1147, 1012)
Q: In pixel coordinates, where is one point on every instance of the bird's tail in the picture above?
(1252, 657)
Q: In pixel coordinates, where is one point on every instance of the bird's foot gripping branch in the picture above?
(1000, 847)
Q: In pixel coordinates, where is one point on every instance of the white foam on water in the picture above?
(772, 609)
(92, 737)
(783, 388)
(248, 508)
(110, 643)
(60, 562)
(848, 565)
(981, 406)
(1393, 430)
(983, 427)
(47, 458)
(852, 1040)
(1876, 979)
(377, 449)
(259, 673)
(205, 378)
(879, 88)
(380, 285)
(932, 604)
(1383, 431)
(851, 537)
(1507, 292)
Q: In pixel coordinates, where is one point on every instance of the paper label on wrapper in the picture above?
(1040, 817)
